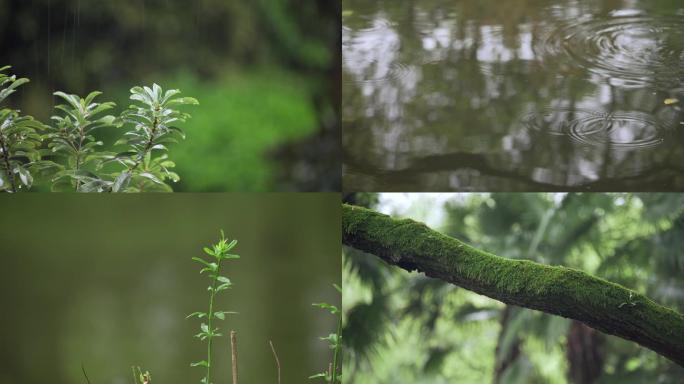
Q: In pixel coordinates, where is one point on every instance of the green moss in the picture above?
(558, 290)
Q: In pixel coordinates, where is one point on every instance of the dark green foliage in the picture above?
(205, 36)
(20, 140)
(77, 161)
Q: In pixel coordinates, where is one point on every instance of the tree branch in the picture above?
(606, 306)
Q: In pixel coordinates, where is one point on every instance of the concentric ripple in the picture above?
(374, 24)
(619, 130)
(396, 71)
(631, 50)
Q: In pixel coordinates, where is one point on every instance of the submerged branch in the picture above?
(606, 306)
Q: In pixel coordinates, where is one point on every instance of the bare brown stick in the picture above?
(233, 349)
(330, 372)
(276, 359)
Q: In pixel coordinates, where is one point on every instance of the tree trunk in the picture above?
(584, 351)
(606, 306)
(504, 359)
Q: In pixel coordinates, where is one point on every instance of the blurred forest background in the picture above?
(107, 282)
(404, 327)
(266, 73)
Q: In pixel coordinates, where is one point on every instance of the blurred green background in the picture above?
(266, 73)
(107, 282)
(403, 327)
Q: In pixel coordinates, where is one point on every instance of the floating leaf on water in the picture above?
(671, 101)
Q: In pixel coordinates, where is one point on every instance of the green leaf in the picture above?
(121, 182)
(150, 176)
(331, 338)
(333, 309)
(211, 266)
(228, 256)
(223, 287)
(91, 96)
(202, 363)
(24, 176)
(199, 315)
(183, 101)
(222, 314)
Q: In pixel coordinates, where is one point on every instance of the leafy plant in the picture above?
(332, 375)
(152, 121)
(20, 140)
(71, 137)
(77, 160)
(218, 253)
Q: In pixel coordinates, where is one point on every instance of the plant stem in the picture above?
(211, 316)
(276, 359)
(337, 352)
(233, 350)
(81, 135)
(85, 374)
(148, 146)
(8, 171)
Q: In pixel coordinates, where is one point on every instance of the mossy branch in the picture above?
(606, 306)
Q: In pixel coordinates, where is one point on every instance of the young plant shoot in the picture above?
(332, 375)
(141, 378)
(217, 254)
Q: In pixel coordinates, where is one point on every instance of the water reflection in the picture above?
(517, 95)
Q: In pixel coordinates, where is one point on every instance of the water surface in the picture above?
(513, 95)
(107, 281)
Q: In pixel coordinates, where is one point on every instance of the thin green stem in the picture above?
(210, 315)
(337, 351)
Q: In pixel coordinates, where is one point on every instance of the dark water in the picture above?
(106, 281)
(513, 95)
